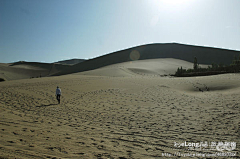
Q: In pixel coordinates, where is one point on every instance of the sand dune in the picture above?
(117, 117)
(71, 61)
(121, 107)
(151, 67)
(24, 70)
(205, 55)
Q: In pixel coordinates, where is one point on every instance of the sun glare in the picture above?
(170, 2)
(169, 5)
(174, 2)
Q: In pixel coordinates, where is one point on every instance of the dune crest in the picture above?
(150, 67)
(26, 70)
(205, 55)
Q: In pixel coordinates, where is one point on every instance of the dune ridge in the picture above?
(24, 70)
(71, 61)
(205, 55)
(150, 67)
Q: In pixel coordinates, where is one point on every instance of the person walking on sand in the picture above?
(58, 94)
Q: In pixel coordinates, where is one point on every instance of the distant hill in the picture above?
(205, 55)
(23, 70)
(71, 61)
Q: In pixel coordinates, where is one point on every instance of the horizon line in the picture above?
(187, 44)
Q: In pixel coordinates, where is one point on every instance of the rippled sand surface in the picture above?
(117, 117)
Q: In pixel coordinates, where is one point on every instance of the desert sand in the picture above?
(205, 55)
(127, 110)
(26, 70)
(151, 67)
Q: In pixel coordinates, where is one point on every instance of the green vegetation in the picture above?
(36, 76)
(214, 69)
(195, 64)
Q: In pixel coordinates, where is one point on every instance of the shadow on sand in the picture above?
(46, 105)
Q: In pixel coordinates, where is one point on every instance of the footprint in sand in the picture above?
(79, 153)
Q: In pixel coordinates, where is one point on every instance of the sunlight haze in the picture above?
(49, 31)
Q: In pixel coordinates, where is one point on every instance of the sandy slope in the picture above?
(116, 117)
(205, 55)
(151, 67)
(71, 61)
(26, 70)
(11, 73)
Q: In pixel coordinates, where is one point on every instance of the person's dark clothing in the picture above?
(58, 98)
(58, 94)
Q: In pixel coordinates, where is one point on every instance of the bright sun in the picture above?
(171, 5)
(174, 2)
(170, 2)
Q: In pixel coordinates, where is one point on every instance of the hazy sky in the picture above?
(53, 30)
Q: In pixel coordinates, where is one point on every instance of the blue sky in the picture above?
(53, 30)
